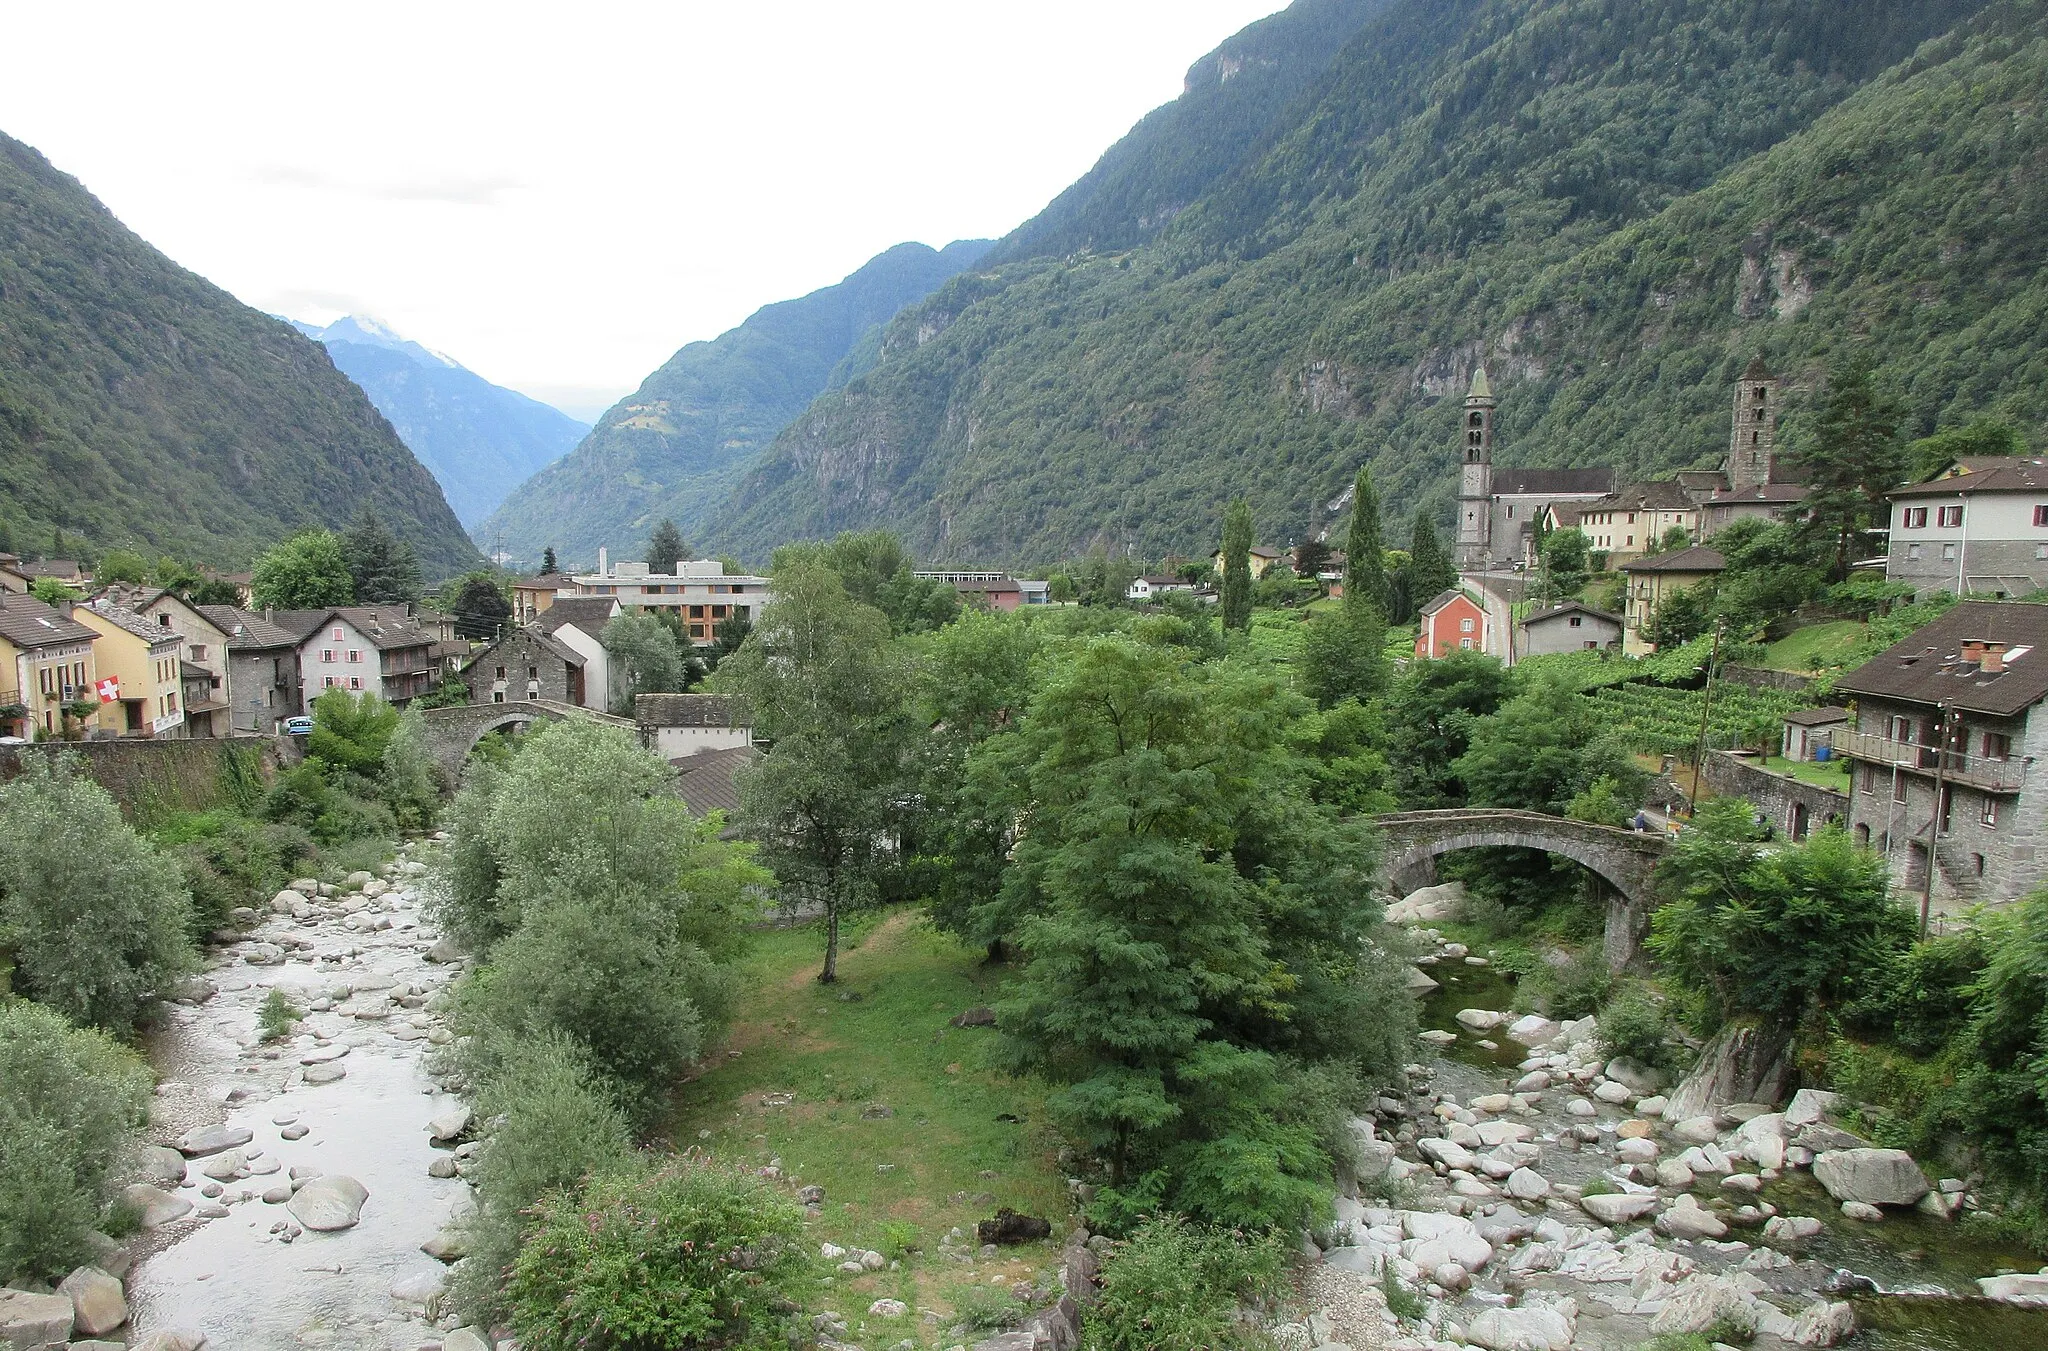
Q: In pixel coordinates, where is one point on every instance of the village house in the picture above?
(1570, 627)
(1629, 523)
(524, 665)
(12, 578)
(374, 648)
(1809, 731)
(203, 661)
(1655, 579)
(969, 583)
(1451, 622)
(1259, 558)
(140, 685)
(678, 726)
(262, 663)
(46, 662)
(701, 592)
(1979, 527)
(532, 597)
(1948, 727)
(996, 593)
(577, 623)
(1144, 589)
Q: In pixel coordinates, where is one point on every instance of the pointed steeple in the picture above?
(1480, 388)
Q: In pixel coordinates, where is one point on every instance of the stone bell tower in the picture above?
(1752, 441)
(1475, 477)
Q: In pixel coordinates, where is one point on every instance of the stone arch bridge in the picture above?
(452, 733)
(1622, 858)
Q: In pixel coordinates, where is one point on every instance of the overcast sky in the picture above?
(560, 195)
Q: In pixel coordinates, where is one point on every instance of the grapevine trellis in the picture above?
(1659, 720)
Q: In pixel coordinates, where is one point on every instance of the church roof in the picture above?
(1480, 388)
(1562, 482)
(1756, 370)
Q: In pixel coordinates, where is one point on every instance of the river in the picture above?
(243, 1278)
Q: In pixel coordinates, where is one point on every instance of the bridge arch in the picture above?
(452, 733)
(1624, 859)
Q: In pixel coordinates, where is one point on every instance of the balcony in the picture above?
(1972, 771)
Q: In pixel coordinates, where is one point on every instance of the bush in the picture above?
(984, 1308)
(688, 1255)
(1173, 1284)
(1635, 1025)
(1576, 988)
(276, 1016)
(70, 1098)
(635, 1002)
(554, 1124)
(95, 917)
(231, 861)
(332, 805)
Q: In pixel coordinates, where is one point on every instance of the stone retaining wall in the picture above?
(146, 777)
(1776, 796)
(1757, 678)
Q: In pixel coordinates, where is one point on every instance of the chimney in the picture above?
(604, 561)
(1993, 660)
(1973, 649)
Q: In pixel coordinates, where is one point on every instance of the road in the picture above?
(1500, 623)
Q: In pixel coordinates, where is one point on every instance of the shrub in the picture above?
(95, 917)
(1173, 1284)
(69, 1099)
(276, 1016)
(1634, 1025)
(691, 1254)
(983, 1308)
(230, 861)
(553, 1125)
(1401, 1301)
(1577, 987)
(411, 780)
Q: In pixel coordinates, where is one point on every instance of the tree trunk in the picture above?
(995, 952)
(831, 972)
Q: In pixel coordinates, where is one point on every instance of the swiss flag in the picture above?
(110, 689)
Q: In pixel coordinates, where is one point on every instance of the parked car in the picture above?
(299, 726)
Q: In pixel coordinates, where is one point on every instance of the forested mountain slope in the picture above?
(479, 440)
(673, 448)
(1614, 203)
(142, 406)
(1234, 97)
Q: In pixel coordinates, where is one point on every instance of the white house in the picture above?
(1979, 527)
(1145, 588)
(678, 726)
(576, 622)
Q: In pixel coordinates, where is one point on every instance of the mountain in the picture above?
(1613, 203)
(142, 406)
(479, 440)
(675, 446)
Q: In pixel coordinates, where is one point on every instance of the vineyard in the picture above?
(1658, 720)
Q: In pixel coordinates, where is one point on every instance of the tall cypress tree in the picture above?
(1237, 566)
(1429, 568)
(665, 548)
(1365, 561)
(547, 561)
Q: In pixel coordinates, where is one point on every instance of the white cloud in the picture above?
(561, 195)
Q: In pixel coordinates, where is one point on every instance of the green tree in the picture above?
(1343, 654)
(215, 591)
(1438, 703)
(408, 774)
(351, 731)
(1681, 616)
(548, 565)
(307, 572)
(1566, 559)
(1771, 933)
(381, 569)
(52, 592)
(121, 565)
(70, 1099)
(1431, 571)
(1543, 751)
(1982, 436)
(92, 917)
(1365, 569)
(1237, 568)
(833, 698)
(646, 658)
(481, 609)
(1850, 458)
(665, 548)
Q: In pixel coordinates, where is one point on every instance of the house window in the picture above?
(1576, 622)
(1997, 746)
(2041, 515)
(355, 682)
(501, 673)
(338, 635)
(696, 612)
(1952, 516)
(1631, 538)
(1989, 814)
(1948, 802)
(199, 651)
(1898, 786)
(327, 656)
(532, 672)
(1465, 642)
(170, 703)
(696, 630)
(497, 696)
(1916, 518)
(1948, 553)
(1901, 729)
(1870, 779)
(163, 621)
(355, 654)
(1464, 626)
(2041, 551)
(1977, 862)
(1912, 551)
(326, 682)
(1511, 513)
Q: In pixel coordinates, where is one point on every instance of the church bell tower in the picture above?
(1752, 443)
(1475, 478)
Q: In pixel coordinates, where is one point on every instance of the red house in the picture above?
(1451, 622)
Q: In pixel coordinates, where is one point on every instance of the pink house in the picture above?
(1450, 623)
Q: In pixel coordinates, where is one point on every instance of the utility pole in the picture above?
(1699, 756)
(1934, 822)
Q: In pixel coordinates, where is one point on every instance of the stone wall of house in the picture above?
(1779, 798)
(524, 658)
(147, 778)
(1757, 678)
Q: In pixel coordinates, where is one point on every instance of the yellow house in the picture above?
(1259, 559)
(1652, 580)
(46, 661)
(140, 659)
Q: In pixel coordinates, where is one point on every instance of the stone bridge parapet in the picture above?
(1623, 858)
(452, 733)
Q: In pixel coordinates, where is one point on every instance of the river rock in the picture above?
(1703, 1302)
(1741, 1064)
(1612, 1091)
(1862, 1211)
(1687, 1219)
(442, 1165)
(1466, 1249)
(1493, 1133)
(96, 1300)
(466, 1339)
(1436, 1036)
(1808, 1106)
(1480, 1020)
(1878, 1177)
(1533, 1328)
(444, 952)
(298, 1130)
(1526, 1185)
(419, 1287)
(278, 1195)
(1674, 1174)
(1820, 1137)
(1581, 1107)
(328, 1203)
(287, 901)
(2025, 1288)
(1636, 1150)
(1447, 1152)
(197, 1144)
(1698, 1130)
(171, 1340)
(323, 1055)
(449, 1124)
(1428, 904)
(31, 1322)
(157, 1206)
(1652, 1105)
(888, 1308)
(1827, 1323)
(225, 1167)
(326, 1073)
(1790, 1229)
(450, 1245)
(1535, 1081)
(1642, 1078)
(1532, 1029)
(1634, 1129)
(358, 880)
(159, 1165)
(1616, 1208)
(1707, 1158)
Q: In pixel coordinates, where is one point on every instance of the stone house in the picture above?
(1948, 726)
(262, 664)
(1570, 627)
(678, 726)
(1809, 729)
(576, 622)
(361, 647)
(526, 664)
(1655, 579)
(1980, 526)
